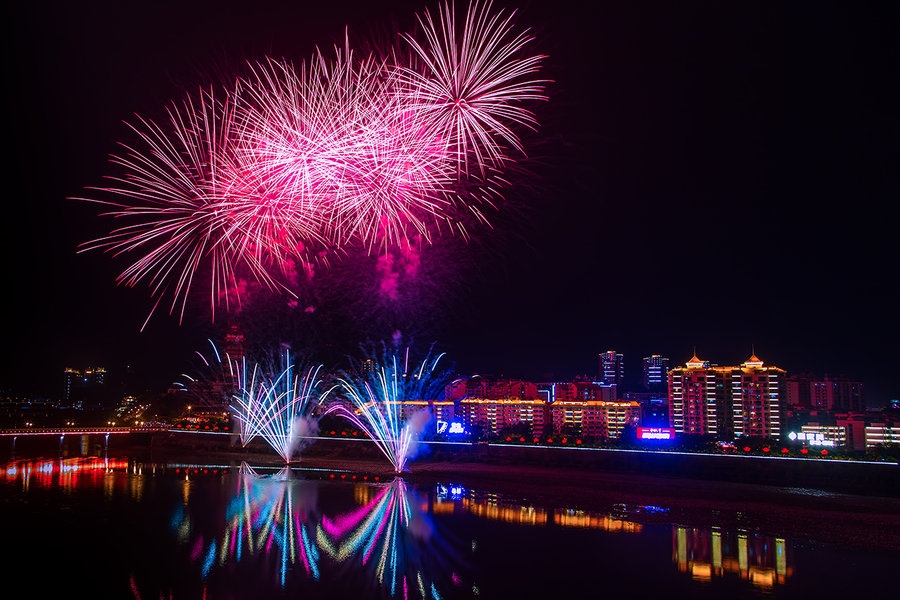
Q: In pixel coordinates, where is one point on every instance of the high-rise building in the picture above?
(653, 372)
(83, 387)
(836, 394)
(727, 402)
(612, 368)
(756, 399)
(698, 394)
(234, 355)
(368, 369)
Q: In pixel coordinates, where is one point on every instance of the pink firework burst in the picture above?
(471, 82)
(294, 163)
(173, 194)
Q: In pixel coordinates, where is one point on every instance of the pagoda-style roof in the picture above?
(753, 361)
(695, 363)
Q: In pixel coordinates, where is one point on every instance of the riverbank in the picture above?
(837, 502)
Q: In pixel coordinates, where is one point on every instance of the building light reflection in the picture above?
(707, 554)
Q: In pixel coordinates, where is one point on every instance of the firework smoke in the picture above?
(278, 408)
(381, 392)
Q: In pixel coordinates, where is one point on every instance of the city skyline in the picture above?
(701, 177)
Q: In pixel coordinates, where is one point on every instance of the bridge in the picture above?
(14, 434)
(64, 431)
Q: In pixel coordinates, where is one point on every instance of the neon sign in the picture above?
(811, 438)
(454, 427)
(655, 433)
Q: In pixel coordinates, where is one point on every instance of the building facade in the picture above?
(756, 399)
(653, 372)
(587, 409)
(612, 368)
(727, 402)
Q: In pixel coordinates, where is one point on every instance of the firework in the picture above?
(470, 81)
(277, 409)
(291, 164)
(388, 401)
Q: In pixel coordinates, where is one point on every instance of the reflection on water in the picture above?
(391, 536)
(294, 528)
(762, 560)
(449, 499)
(64, 473)
(267, 516)
(274, 520)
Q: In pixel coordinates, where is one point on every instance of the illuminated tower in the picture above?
(234, 355)
(612, 368)
(757, 399)
(369, 368)
(692, 406)
(698, 399)
(653, 375)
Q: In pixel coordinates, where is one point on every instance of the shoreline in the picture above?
(840, 503)
(806, 501)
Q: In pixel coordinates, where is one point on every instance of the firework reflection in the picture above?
(392, 538)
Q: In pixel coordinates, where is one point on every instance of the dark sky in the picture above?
(708, 174)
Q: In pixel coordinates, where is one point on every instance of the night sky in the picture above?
(713, 175)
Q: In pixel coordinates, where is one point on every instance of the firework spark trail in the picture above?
(212, 384)
(377, 402)
(291, 164)
(278, 410)
(472, 81)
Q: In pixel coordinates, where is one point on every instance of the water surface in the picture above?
(119, 528)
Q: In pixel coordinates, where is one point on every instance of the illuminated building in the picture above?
(82, 387)
(592, 391)
(814, 434)
(797, 390)
(494, 415)
(653, 372)
(698, 394)
(490, 405)
(881, 433)
(726, 402)
(368, 368)
(838, 394)
(612, 368)
(581, 408)
(593, 419)
(756, 393)
(826, 428)
(234, 354)
(590, 409)
(854, 425)
(654, 407)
